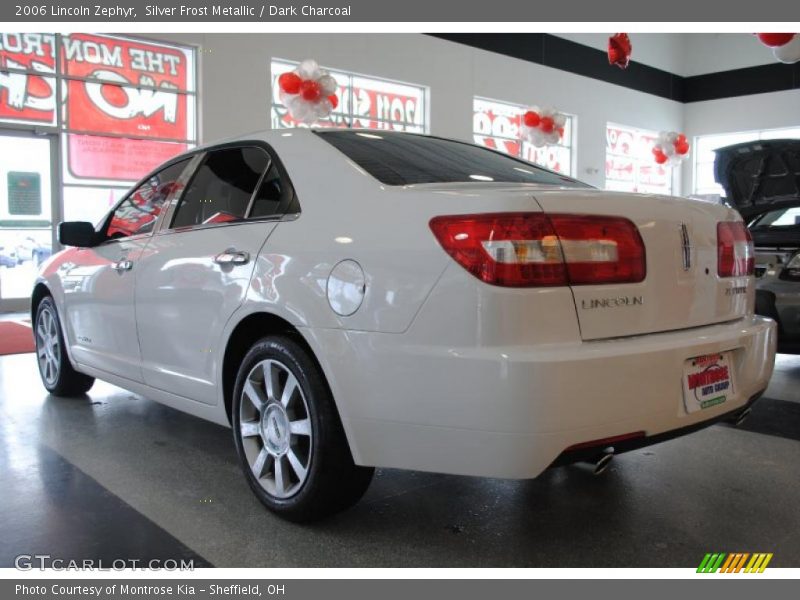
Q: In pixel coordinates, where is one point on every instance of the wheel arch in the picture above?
(249, 330)
(40, 291)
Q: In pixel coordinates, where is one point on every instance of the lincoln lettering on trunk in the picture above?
(612, 302)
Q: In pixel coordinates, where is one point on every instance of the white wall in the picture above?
(234, 80)
(714, 52)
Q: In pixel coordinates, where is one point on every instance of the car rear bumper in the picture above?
(514, 411)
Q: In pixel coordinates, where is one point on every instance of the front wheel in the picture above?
(288, 435)
(57, 374)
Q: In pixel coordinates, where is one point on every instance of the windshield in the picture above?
(407, 159)
(785, 217)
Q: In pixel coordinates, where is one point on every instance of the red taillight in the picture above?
(735, 252)
(534, 249)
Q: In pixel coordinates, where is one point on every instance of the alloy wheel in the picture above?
(48, 346)
(275, 427)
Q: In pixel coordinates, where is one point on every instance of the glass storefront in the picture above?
(93, 112)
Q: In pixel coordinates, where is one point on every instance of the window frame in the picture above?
(639, 160)
(58, 126)
(350, 116)
(696, 140)
(572, 147)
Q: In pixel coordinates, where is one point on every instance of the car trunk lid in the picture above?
(681, 289)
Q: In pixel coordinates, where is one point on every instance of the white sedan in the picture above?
(346, 300)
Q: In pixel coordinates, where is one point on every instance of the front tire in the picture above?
(288, 435)
(58, 376)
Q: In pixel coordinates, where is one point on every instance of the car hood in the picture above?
(760, 176)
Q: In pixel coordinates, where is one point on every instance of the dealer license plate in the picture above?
(707, 381)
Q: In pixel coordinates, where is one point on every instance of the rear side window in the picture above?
(406, 159)
(273, 193)
(222, 187)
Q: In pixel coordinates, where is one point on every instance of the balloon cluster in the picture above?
(671, 147)
(785, 46)
(308, 92)
(619, 50)
(543, 126)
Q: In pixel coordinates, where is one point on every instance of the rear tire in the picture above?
(288, 434)
(58, 376)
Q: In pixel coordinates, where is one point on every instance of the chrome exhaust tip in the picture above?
(742, 417)
(603, 463)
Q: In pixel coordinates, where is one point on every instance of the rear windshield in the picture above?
(407, 159)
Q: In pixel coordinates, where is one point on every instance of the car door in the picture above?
(197, 268)
(99, 284)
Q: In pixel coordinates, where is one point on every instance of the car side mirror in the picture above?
(77, 233)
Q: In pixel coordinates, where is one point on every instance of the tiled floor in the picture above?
(114, 474)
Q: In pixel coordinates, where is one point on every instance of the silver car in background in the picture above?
(762, 180)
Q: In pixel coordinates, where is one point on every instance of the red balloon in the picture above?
(560, 131)
(619, 50)
(682, 147)
(681, 138)
(334, 100)
(660, 157)
(546, 124)
(290, 82)
(531, 119)
(774, 40)
(310, 90)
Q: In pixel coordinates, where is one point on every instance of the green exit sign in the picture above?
(24, 193)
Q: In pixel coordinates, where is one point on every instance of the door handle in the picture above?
(122, 265)
(232, 256)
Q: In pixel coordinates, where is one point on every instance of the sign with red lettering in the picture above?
(111, 86)
(497, 125)
(364, 102)
(629, 162)
(707, 381)
(27, 97)
(111, 102)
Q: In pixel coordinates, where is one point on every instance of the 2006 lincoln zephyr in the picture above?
(346, 300)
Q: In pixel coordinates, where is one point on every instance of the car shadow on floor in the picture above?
(657, 506)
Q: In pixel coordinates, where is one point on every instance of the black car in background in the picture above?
(762, 180)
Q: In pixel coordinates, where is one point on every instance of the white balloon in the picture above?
(672, 137)
(308, 69)
(668, 149)
(328, 84)
(560, 119)
(547, 111)
(788, 53)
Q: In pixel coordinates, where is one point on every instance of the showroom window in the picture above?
(704, 155)
(127, 105)
(497, 125)
(364, 102)
(630, 166)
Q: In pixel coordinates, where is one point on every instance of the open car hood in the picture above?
(760, 176)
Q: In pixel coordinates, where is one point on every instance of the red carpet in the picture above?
(15, 338)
